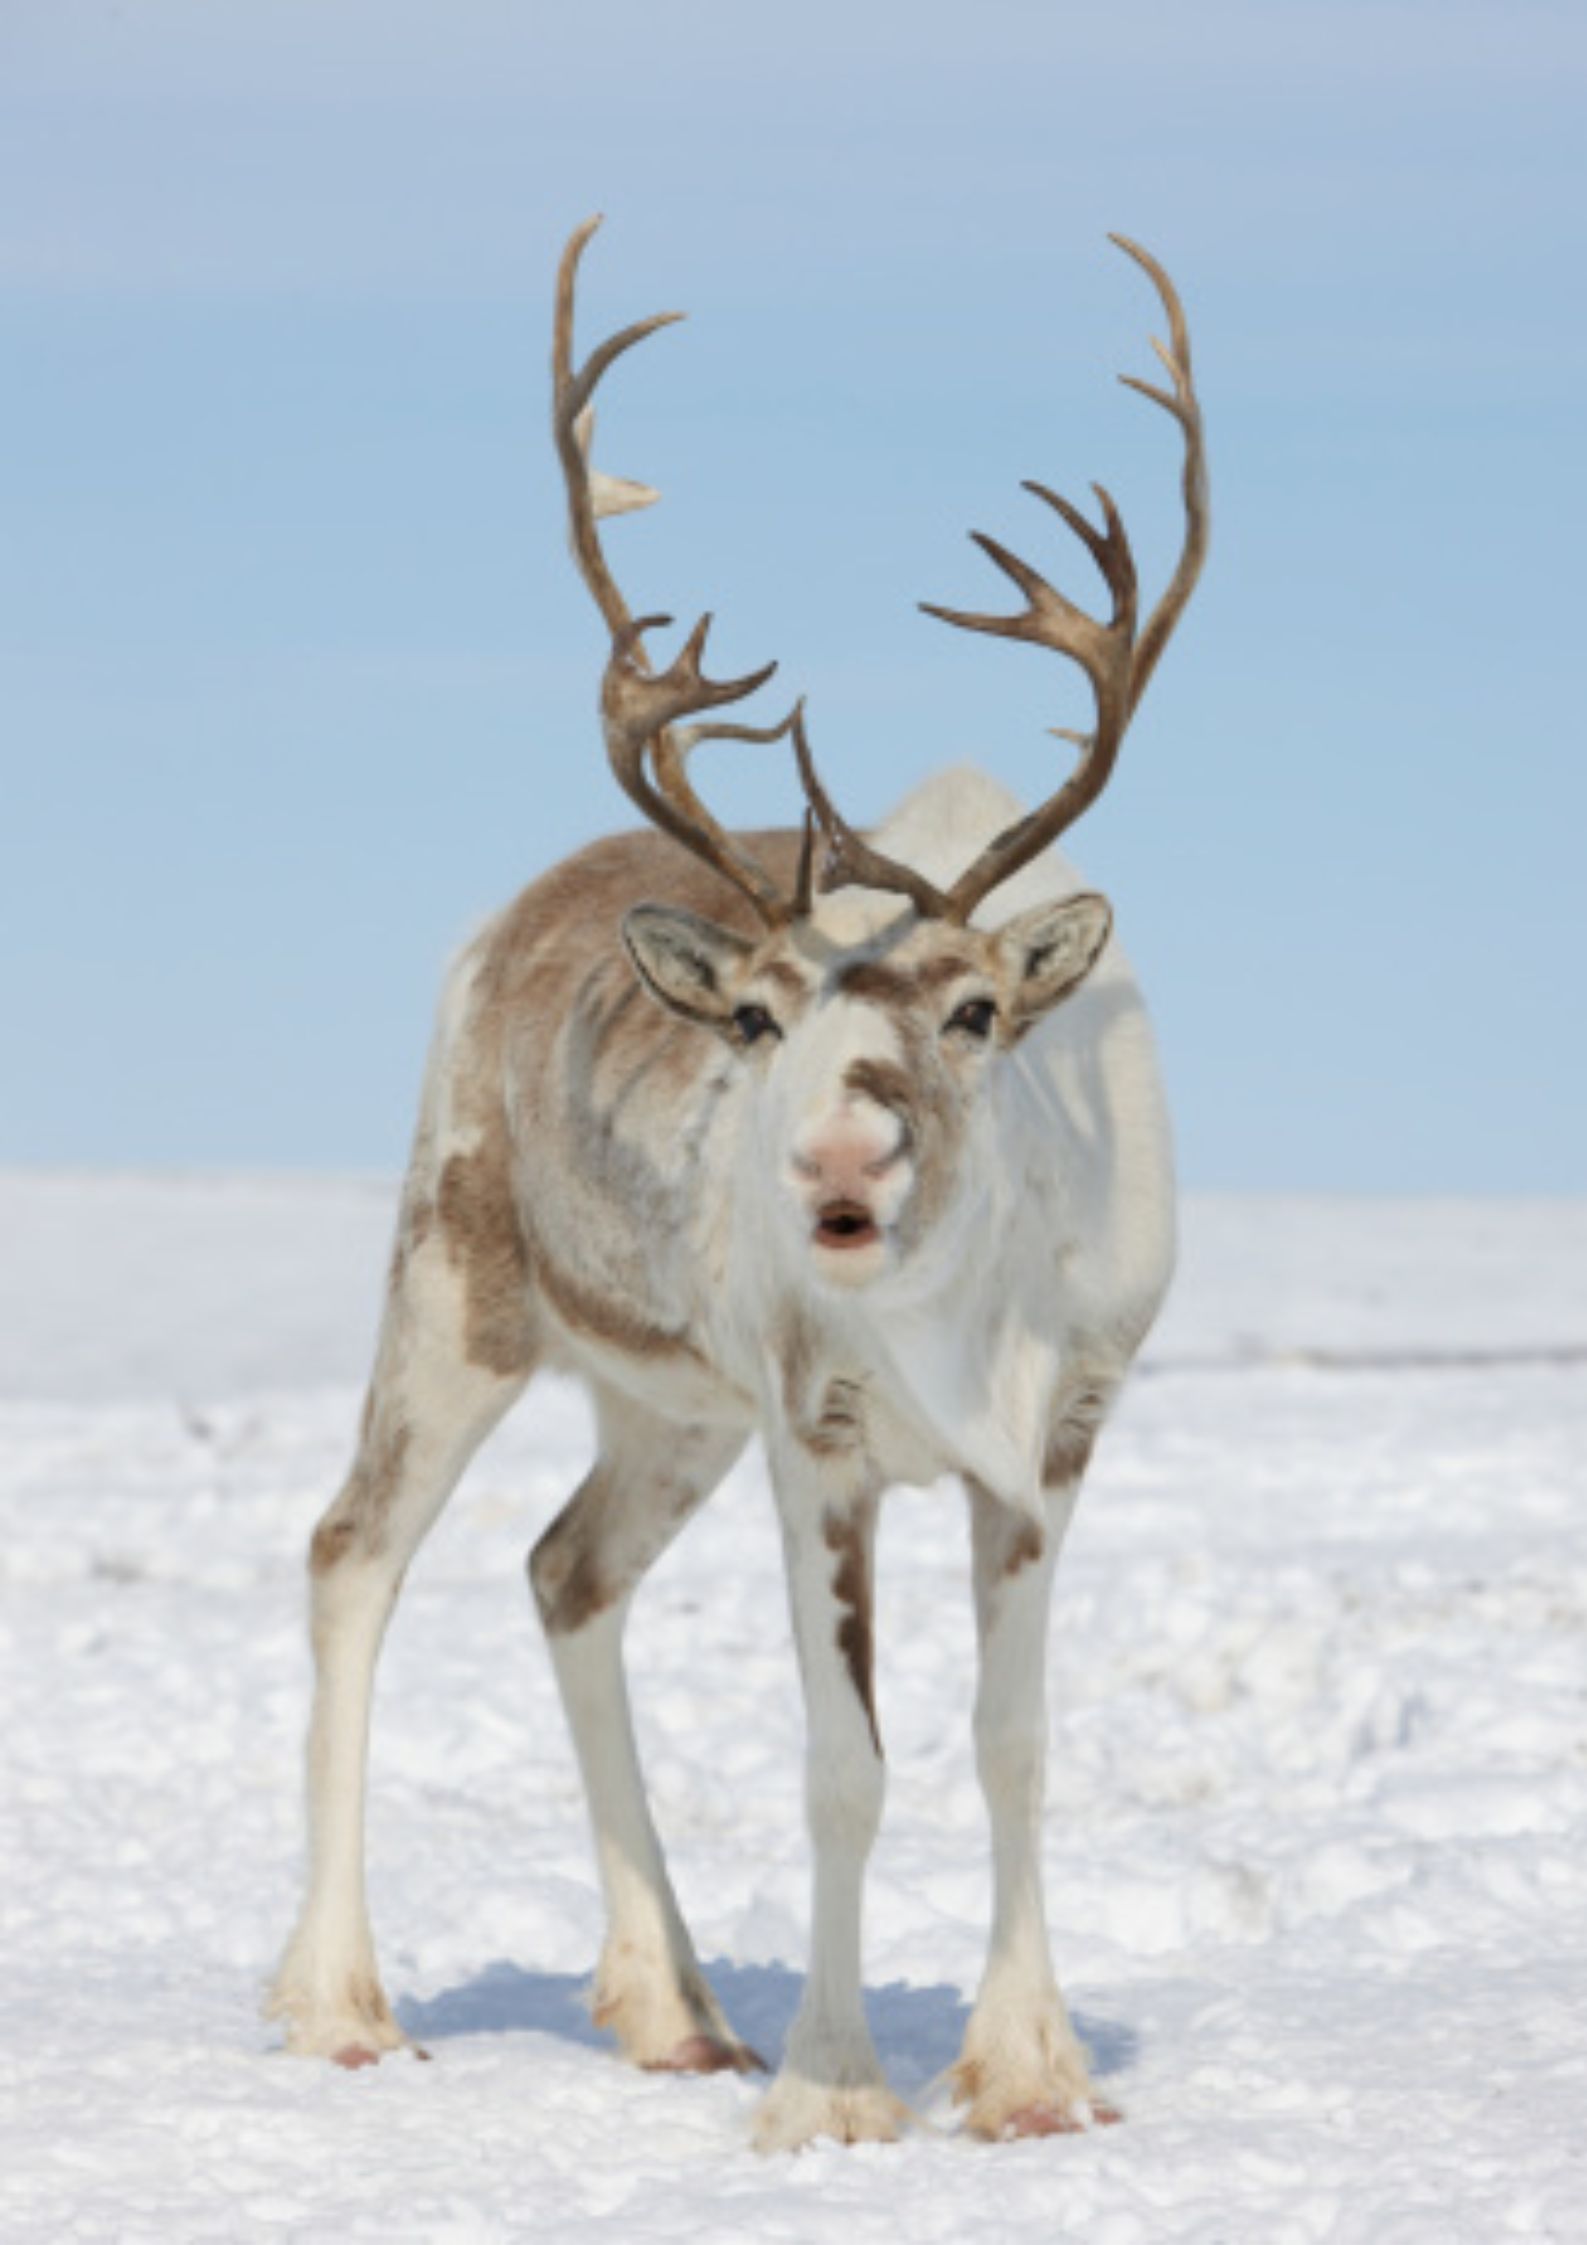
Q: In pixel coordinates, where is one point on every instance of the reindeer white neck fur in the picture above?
(959, 1335)
(880, 1171)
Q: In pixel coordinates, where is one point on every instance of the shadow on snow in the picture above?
(918, 2031)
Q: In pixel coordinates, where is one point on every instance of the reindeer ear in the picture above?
(1049, 951)
(689, 965)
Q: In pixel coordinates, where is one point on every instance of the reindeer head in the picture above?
(871, 1046)
(870, 1058)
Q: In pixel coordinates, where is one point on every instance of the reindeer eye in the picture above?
(975, 1017)
(753, 1023)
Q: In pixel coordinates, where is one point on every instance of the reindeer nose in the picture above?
(845, 1155)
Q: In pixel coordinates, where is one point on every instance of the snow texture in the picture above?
(1317, 1835)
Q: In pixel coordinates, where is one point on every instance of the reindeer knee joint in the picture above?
(843, 1797)
(1010, 1757)
(332, 1541)
(568, 1587)
(1071, 1441)
(355, 1526)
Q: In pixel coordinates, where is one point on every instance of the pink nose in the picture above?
(845, 1156)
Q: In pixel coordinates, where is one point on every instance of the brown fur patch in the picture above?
(1067, 1454)
(944, 967)
(1004, 1542)
(619, 1520)
(938, 1115)
(1026, 1543)
(569, 1587)
(329, 1544)
(878, 983)
(485, 1241)
(598, 885)
(848, 1535)
(829, 1423)
(1073, 1434)
(603, 1317)
(885, 1081)
(839, 1429)
(357, 1518)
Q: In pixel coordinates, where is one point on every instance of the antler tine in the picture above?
(642, 703)
(1109, 547)
(571, 396)
(1117, 663)
(1102, 651)
(639, 706)
(1047, 619)
(681, 742)
(804, 881)
(670, 752)
(638, 709)
(1185, 407)
(851, 861)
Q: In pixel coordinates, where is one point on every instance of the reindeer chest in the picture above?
(846, 1413)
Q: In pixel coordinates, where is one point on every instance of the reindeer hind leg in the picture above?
(650, 1476)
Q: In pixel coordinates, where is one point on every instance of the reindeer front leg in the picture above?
(1022, 2071)
(429, 1408)
(831, 2081)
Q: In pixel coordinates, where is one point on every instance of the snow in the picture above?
(1317, 1836)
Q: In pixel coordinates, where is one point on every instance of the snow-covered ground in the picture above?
(1317, 1846)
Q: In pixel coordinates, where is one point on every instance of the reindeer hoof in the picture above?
(1046, 2119)
(795, 2112)
(709, 2054)
(352, 2056)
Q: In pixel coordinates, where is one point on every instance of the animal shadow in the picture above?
(918, 2031)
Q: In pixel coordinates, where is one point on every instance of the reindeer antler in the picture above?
(1116, 661)
(640, 707)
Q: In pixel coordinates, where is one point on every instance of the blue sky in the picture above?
(300, 684)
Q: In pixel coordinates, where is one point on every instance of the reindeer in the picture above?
(874, 1165)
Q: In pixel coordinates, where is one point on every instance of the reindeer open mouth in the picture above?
(845, 1224)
